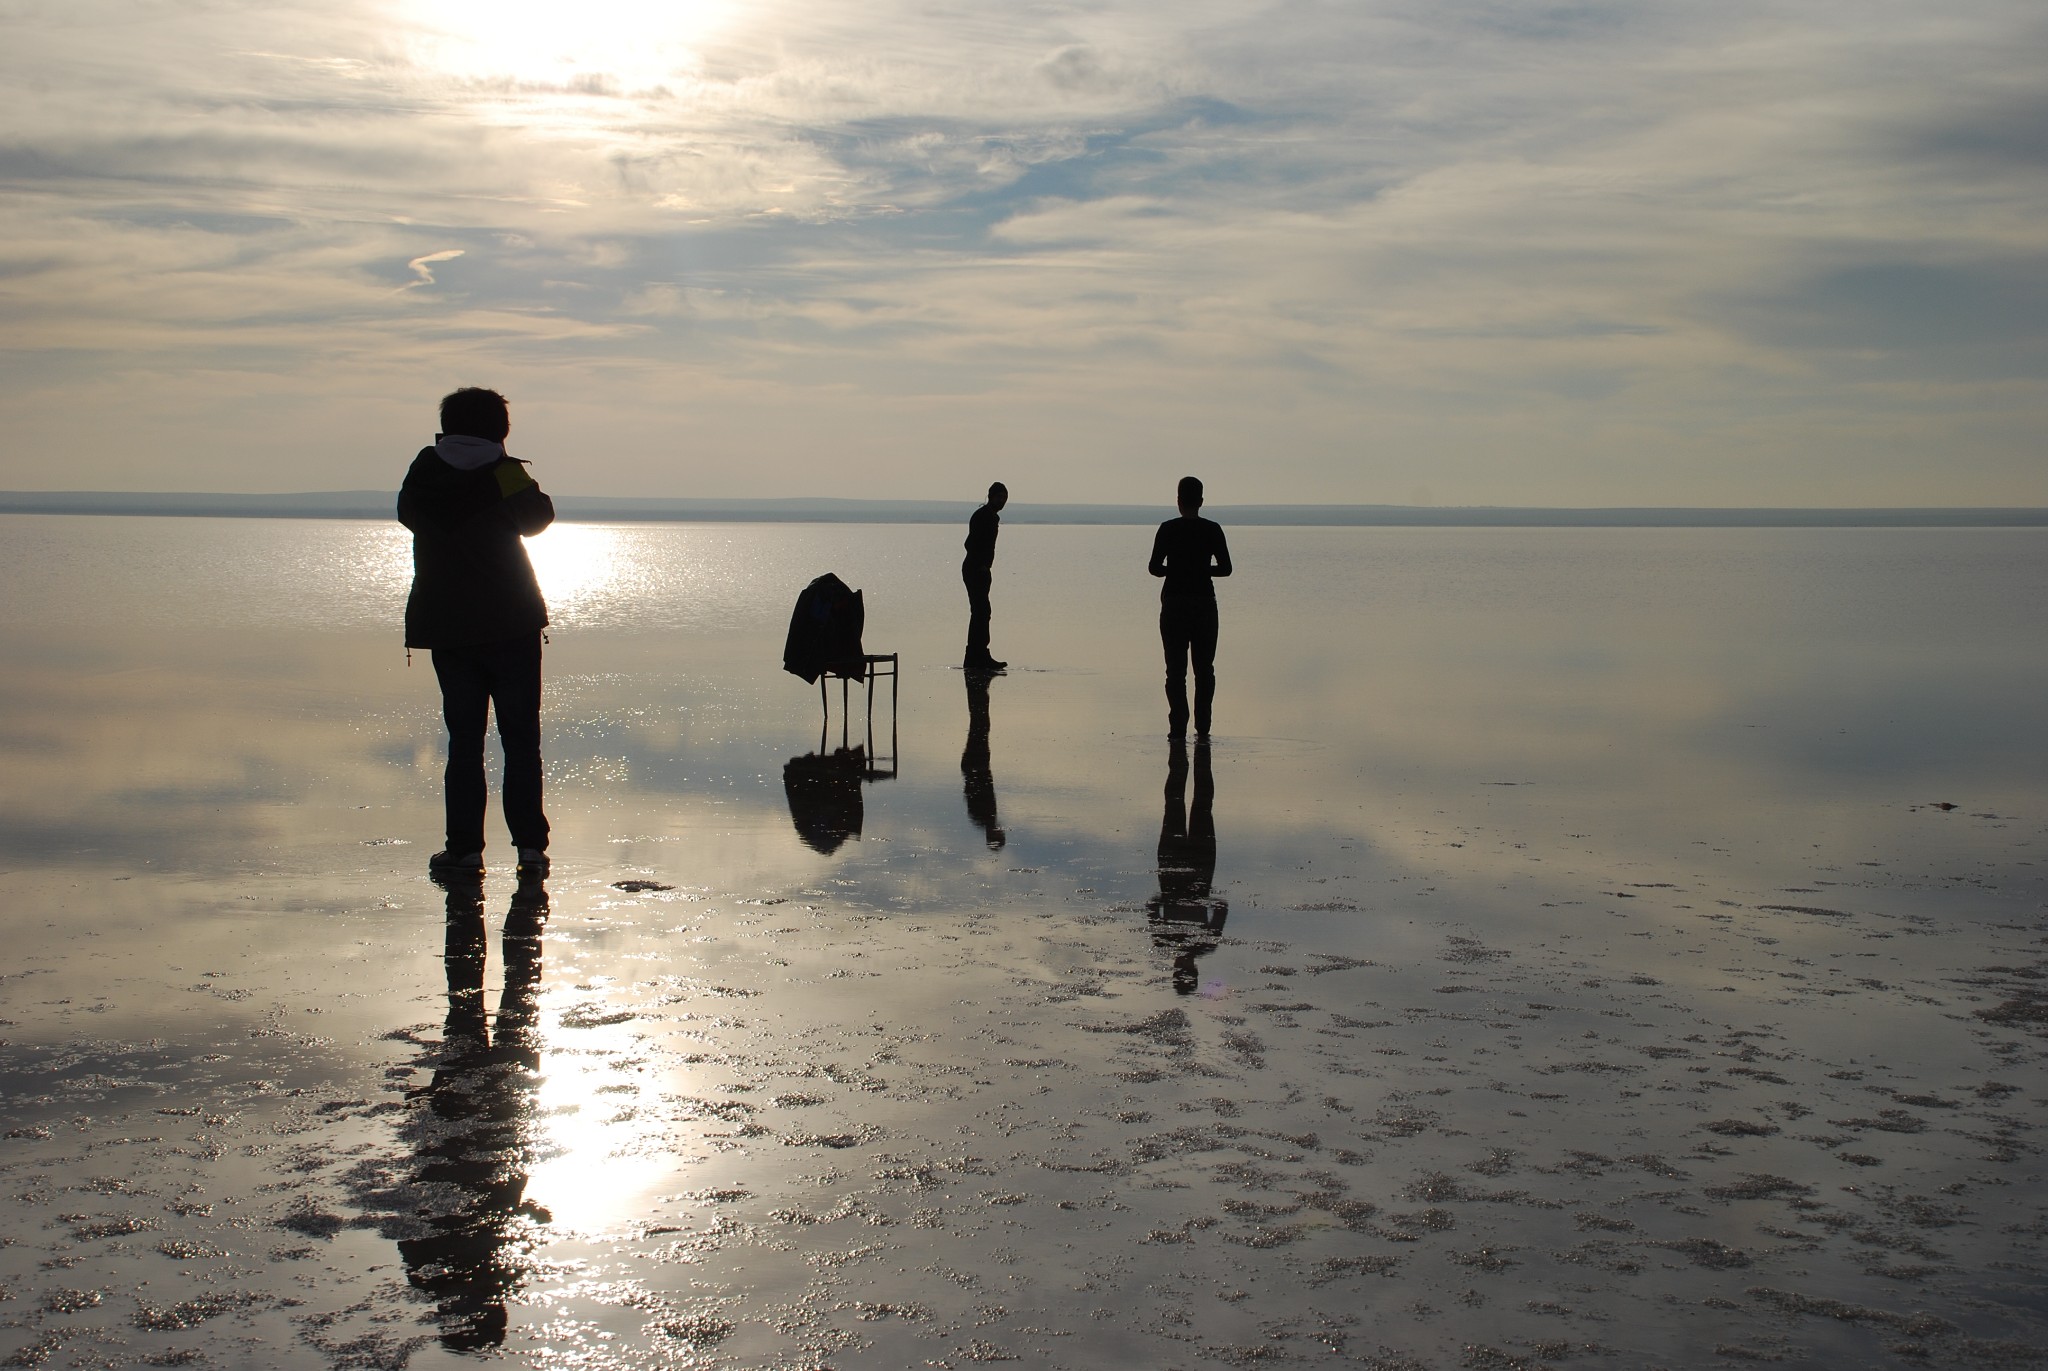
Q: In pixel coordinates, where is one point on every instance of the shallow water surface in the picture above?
(1605, 945)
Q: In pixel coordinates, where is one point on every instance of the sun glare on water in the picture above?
(617, 44)
(597, 1168)
(573, 562)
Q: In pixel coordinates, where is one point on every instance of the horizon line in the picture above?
(376, 504)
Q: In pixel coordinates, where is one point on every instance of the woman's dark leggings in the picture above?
(1187, 629)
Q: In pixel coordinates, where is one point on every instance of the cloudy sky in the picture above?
(1750, 252)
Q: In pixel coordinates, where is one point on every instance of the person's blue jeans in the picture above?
(475, 681)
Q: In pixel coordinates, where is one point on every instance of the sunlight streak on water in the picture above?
(661, 577)
(574, 562)
(344, 575)
(377, 556)
(585, 1178)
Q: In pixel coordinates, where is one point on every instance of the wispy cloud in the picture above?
(1633, 252)
(422, 267)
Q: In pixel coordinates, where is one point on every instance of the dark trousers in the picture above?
(1187, 630)
(977, 580)
(475, 681)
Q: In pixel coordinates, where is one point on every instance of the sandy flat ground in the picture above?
(661, 1123)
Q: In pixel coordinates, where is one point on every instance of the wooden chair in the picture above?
(873, 664)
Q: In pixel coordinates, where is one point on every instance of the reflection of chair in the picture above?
(824, 796)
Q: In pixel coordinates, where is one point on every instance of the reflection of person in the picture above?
(979, 781)
(977, 571)
(476, 605)
(472, 1147)
(1186, 919)
(1189, 552)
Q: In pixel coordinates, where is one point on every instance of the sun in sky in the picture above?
(612, 45)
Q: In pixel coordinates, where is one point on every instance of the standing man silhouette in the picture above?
(977, 571)
(476, 605)
(1189, 552)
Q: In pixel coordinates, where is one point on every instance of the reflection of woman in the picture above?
(975, 776)
(1186, 918)
(472, 1144)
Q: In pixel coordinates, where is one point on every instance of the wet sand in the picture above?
(783, 1126)
(1479, 1065)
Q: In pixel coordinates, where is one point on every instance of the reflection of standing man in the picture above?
(465, 1196)
(1189, 552)
(976, 778)
(476, 604)
(977, 570)
(1186, 918)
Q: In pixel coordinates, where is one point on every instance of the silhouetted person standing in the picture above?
(476, 605)
(1189, 552)
(977, 781)
(977, 570)
(1186, 918)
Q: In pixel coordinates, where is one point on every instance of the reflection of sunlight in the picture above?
(573, 561)
(627, 44)
(378, 559)
(593, 1171)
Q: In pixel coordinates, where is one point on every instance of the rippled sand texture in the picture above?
(727, 1130)
(1554, 1055)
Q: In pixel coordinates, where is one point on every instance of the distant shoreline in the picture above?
(371, 504)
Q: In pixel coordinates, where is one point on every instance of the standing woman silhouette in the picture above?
(1189, 552)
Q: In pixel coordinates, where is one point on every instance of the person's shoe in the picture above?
(446, 863)
(533, 861)
(981, 661)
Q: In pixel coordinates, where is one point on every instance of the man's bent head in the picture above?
(476, 413)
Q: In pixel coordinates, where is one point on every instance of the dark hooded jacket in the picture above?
(471, 580)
